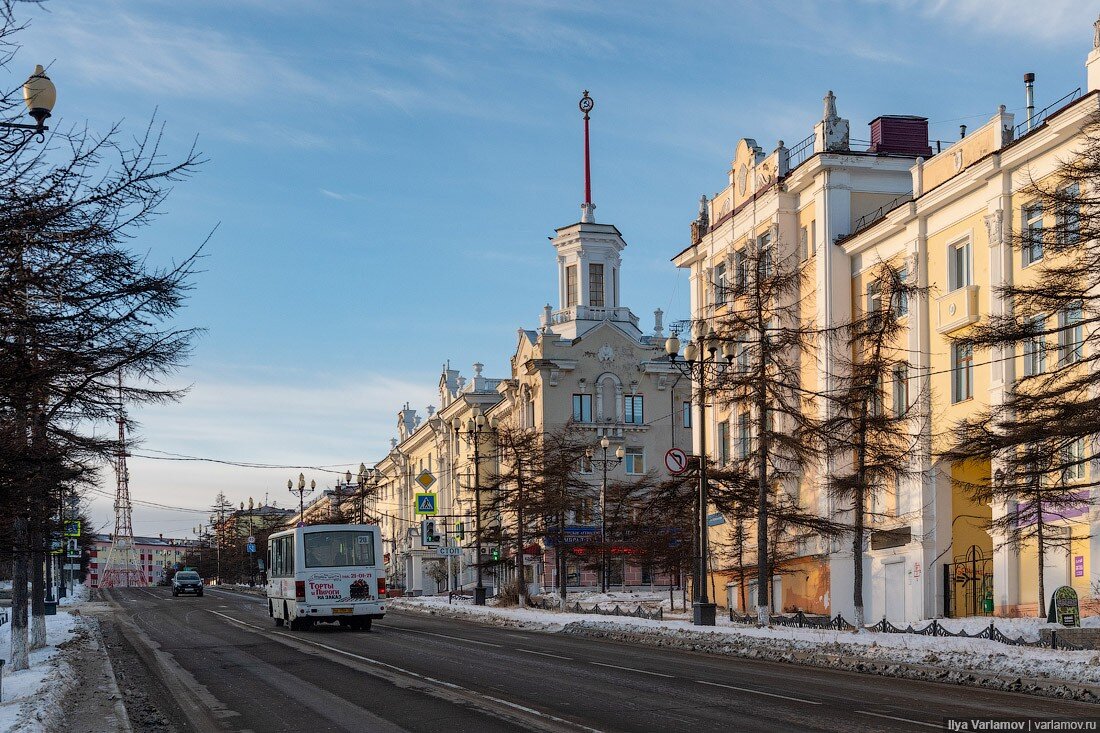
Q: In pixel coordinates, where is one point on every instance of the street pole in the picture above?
(479, 588)
(703, 611)
(603, 525)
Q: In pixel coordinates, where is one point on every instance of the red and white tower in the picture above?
(123, 568)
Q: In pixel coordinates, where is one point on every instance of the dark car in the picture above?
(187, 581)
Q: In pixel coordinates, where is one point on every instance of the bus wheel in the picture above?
(271, 612)
(360, 624)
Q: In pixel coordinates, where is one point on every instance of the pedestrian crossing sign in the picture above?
(425, 504)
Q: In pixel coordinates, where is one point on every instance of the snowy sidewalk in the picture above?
(69, 686)
(962, 661)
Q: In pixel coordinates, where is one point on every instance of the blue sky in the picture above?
(384, 176)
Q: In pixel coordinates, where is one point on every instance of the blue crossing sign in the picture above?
(425, 504)
(251, 547)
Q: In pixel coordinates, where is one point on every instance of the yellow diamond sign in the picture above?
(425, 479)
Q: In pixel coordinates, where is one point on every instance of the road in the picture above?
(229, 668)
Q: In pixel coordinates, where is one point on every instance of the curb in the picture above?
(121, 715)
(767, 650)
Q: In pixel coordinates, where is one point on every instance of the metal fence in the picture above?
(935, 628)
(639, 611)
(1040, 117)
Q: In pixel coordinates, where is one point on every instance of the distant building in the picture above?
(159, 556)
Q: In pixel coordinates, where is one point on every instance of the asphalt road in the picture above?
(230, 668)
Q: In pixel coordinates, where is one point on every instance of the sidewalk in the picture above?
(977, 662)
(70, 685)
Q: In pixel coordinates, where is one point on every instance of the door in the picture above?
(894, 597)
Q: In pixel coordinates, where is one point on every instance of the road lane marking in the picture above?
(545, 654)
(758, 692)
(632, 669)
(906, 720)
(444, 636)
(410, 673)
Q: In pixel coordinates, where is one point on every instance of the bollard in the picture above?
(1, 680)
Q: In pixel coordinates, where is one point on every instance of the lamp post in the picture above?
(472, 432)
(365, 475)
(605, 464)
(699, 364)
(251, 553)
(198, 545)
(301, 492)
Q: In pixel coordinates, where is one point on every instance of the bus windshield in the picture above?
(339, 549)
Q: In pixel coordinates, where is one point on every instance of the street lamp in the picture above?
(700, 363)
(364, 476)
(251, 553)
(472, 432)
(40, 95)
(301, 492)
(605, 464)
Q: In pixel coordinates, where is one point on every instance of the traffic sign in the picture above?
(251, 540)
(251, 547)
(72, 529)
(676, 461)
(71, 566)
(425, 503)
(425, 479)
(72, 547)
(449, 551)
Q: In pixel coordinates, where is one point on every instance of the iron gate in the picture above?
(968, 585)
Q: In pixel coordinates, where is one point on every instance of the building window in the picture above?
(595, 285)
(721, 287)
(723, 443)
(570, 286)
(877, 397)
(1070, 335)
(764, 248)
(901, 298)
(633, 413)
(962, 372)
(874, 297)
(1033, 234)
(634, 461)
(959, 255)
(813, 237)
(687, 414)
(1069, 215)
(744, 436)
(740, 271)
(1035, 349)
(582, 408)
(1073, 460)
(804, 243)
(901, 389)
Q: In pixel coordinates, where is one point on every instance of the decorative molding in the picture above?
(994, 227)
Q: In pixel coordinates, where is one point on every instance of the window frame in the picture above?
(1031, 219)
(961, 269)
(633, 409)
(962, 373)
(596, 285)
(584, 401)
(1071, 352)
(572, 291)
(1035, 350)
(631, 457)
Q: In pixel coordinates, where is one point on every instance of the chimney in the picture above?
(900, 135)
(1029, 95)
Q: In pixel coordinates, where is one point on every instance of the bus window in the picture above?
(339, 549)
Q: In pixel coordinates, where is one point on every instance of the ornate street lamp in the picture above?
(605, 464)
(473, 432)
(301, 492)
(700, 364)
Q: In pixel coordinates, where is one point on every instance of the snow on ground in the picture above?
(793, 644)
(29, 698)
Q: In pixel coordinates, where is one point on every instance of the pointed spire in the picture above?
(587, 208)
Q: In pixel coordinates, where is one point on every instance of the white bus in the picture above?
(326, 573)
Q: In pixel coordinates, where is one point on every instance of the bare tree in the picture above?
(869, 441)
(1042, 436)
(761, 335)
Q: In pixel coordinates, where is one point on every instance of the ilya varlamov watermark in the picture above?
(1023, 725)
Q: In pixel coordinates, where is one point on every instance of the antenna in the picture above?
(122, 568)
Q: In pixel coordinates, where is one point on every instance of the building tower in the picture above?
(122, 568)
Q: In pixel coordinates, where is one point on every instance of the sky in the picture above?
(382, 179)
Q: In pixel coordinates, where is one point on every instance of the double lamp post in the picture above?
(473, 431)
(701, 365)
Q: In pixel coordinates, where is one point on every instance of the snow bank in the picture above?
(30, 700)
(965, 661)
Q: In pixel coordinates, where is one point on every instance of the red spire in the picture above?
(586, 105)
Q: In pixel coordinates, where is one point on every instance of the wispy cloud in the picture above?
(338, 196)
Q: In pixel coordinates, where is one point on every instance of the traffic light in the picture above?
(494, 554)
(460, 531)
(428, 535)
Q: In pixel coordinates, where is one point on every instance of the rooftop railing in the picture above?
(1040, 117)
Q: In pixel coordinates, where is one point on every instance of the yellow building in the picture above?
(945, 214)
